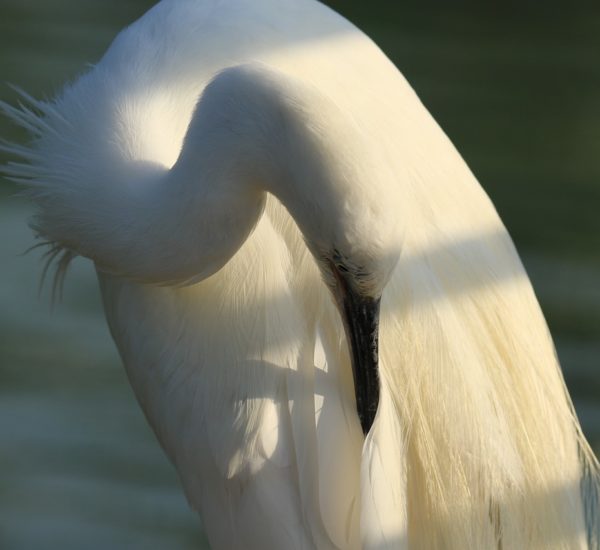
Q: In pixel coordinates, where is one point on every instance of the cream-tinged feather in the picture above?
(204, 164)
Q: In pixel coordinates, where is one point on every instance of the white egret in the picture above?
(257, 186)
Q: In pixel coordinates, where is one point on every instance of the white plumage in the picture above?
(222, 165)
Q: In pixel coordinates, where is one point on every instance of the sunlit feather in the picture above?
(206, 165)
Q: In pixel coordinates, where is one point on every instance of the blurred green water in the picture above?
(517, 88)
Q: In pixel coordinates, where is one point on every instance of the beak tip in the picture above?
(367, 420)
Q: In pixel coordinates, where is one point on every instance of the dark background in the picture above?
(516, 86)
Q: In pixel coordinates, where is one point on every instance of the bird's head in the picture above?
(356, 288)
(356, 251)
(347, 204)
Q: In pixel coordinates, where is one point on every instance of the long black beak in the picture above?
(360, 314)
(361, 319)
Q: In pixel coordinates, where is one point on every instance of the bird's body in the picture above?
(230, 337)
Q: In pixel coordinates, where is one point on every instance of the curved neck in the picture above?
(248, 135)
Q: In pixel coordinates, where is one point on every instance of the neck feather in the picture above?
(252, 132)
